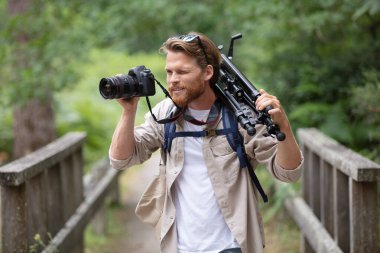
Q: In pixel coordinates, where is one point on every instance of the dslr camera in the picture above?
(139, 82)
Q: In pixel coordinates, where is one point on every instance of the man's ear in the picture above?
(209, 72)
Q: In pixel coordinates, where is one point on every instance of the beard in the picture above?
(186, 95)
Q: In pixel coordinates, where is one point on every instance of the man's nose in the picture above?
(174, 78)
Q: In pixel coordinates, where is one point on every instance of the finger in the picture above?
(263, 96)
(264, 103)
(274, 111)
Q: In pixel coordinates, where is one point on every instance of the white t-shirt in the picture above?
(201, 227)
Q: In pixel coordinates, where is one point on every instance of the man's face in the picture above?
(186, 80)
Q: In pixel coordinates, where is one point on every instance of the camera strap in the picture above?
(170, 118)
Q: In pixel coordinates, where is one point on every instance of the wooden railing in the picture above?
(338, 211)
(45, 193)
(44, 197)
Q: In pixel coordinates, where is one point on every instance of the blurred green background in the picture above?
(320, 58)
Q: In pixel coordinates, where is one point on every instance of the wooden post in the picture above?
(14, 218)
(363, 217)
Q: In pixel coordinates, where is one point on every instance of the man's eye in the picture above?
(182, 72)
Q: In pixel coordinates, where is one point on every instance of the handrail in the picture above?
(45, 194)
(338, 212)
(19, 171)
(354, 165)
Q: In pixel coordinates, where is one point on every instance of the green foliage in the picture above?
(309, 114)
(369, 7)
(315, 56)
(144, 25)
(39, 47)
(366, 108)
(6, 134)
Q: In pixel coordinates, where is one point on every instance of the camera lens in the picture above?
(107, 88)
(115, 86)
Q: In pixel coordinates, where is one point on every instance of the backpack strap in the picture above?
(234, 138)
(169, 136)
(169, 128)
(236, 142)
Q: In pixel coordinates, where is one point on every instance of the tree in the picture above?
(40, 44)
(317, 55)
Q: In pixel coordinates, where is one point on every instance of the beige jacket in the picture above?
(236, 194)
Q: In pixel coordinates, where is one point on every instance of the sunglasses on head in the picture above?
(188, 38)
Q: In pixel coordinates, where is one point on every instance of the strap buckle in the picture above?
(210, 132)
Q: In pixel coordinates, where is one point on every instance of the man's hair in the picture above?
(194, 49)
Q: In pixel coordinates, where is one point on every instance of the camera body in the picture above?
(139, 82)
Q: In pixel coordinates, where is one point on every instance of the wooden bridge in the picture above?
(46, 194)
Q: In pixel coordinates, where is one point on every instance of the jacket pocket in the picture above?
(225, 158)
(151, 204)
(220, 147)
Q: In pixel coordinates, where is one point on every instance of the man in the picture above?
(208, 203)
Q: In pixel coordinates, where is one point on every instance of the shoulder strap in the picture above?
(237, 144)
(234, 138)
(169, 130)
